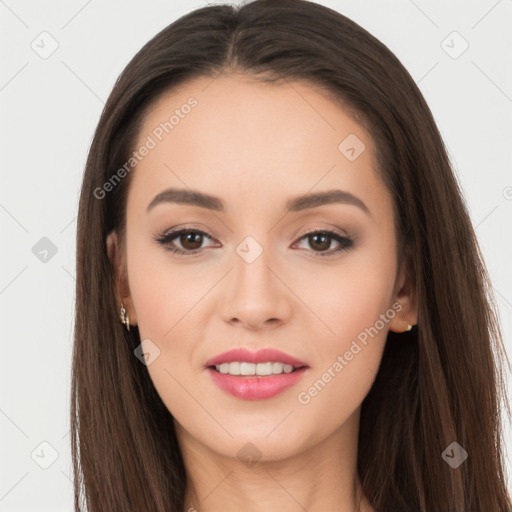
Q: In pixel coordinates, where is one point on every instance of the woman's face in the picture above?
(240, 154)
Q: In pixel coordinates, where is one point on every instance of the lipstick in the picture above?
(255, 375)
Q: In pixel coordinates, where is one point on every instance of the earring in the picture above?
(124, 317)
(409, 327)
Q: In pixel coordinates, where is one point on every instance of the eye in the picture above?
(190, 240)
(321, 240)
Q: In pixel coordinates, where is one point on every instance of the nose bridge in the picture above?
(252, 262)
(256, 294)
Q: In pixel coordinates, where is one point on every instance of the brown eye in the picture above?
(191, 240)
(184, 241)
(319, 242)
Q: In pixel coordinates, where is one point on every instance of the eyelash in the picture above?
(166, 238)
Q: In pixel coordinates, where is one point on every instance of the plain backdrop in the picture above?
(50, 105)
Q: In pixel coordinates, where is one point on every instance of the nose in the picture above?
(257, 297)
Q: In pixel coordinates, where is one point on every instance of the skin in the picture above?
(255, 146)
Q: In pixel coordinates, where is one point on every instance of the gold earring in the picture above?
(125, 319)
(409, 327)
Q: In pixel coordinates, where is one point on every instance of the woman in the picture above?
(281, 302)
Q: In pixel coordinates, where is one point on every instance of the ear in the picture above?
(117, 258)
(405, 294)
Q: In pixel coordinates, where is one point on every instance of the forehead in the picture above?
(234, 133)
(226, 103)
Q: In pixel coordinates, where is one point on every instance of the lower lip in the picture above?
(256, 388)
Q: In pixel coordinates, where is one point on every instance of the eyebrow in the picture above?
(296, 204)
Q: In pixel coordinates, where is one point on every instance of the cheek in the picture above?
(153, 296)
(355, 308)
(347, 361)
(166, 297)
(349, 301)
(162, 296)
(162, 293)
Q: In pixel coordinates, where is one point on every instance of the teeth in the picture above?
(233, 368)
(247, 369)
(262, 369)
(277, 367)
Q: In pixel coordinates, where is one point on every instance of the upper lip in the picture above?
(261, 356)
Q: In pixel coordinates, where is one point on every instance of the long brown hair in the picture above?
(440, 383)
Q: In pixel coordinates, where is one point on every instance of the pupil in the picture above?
(191, 238)
(325, 244)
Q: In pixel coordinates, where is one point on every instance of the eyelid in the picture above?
(322, 228)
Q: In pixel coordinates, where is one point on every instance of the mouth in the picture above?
(259, 375)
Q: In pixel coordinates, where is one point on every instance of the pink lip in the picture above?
(261, 356)
(257, 387)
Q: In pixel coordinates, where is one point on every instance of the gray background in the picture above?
(49, 109)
